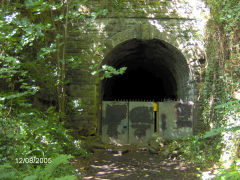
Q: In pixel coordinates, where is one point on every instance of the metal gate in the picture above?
(115, 123)
(134, 122)
(141, 122)
(175, 119)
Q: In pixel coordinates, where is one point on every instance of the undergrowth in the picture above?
(197, 150)
(35, 145)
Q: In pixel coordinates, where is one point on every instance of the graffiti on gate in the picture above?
(114, 115)
(141, 120)
(183, 112)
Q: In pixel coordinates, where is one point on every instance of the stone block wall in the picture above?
(179, 23)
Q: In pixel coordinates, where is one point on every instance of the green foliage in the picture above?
(33, 63)
(221, 107)
(51, 167)
(233, 173)
(118, 4)
(33, 44)
(226, 13)
(217, 131)
(199, 151)
(35, 134)
(32, 133)
(59, 168)
(8, 172)
(108, 71)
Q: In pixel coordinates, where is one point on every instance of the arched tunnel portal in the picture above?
(155, 71)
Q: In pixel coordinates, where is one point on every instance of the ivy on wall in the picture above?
(222, 73)
(222, 84)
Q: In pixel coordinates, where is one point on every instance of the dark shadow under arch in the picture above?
(155, 71)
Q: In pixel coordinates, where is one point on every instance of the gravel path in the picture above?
(135, 164)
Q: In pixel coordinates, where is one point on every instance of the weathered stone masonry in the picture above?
(172, 34)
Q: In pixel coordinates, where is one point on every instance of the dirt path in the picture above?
(135, 165)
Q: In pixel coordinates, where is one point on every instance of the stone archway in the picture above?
(182, 32)
(156, 71)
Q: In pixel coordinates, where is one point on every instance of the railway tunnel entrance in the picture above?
(143, 80)
(157, 74)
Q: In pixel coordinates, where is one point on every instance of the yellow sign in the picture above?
(155, 106)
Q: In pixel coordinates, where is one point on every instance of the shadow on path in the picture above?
(134, 165)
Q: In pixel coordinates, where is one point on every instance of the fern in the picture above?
(7, 172)
(49, 172)
(66, 178)
(213, 132)
(33, 177)
(51, 167)
(231, 174)
(60, 159)
(219, 130)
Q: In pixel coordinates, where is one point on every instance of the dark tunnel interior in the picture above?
(147, 78)
(141, 81)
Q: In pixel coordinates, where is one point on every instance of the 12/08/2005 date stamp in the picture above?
(33, 160)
